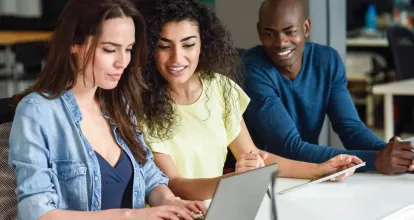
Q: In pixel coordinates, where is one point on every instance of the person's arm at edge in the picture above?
(344, 116)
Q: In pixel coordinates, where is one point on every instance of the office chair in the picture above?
(8, 201)
(401, 42)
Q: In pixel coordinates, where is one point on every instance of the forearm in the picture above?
(159, 194)
(112, 214)
(292, 168)
(194, 189)
(361, 138)
(344, 117)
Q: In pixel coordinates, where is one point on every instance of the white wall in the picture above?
(240, 17)
(25, 8)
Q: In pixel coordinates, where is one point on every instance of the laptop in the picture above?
(239, 196)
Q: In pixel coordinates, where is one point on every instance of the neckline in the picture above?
(120, 159)
(198, 99)
(302, 67)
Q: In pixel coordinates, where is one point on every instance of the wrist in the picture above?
(127, 214)
(376, 162)
(169, 199)
(317, 171)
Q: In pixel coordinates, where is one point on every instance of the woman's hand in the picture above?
(250, 161)
(164, 212)
(336, 164)
(197, 207)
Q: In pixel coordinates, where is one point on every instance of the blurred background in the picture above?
(374, 38)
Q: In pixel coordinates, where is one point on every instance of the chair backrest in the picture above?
(401, 42)
(8, 201)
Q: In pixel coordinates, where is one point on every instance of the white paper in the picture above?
(406, 213)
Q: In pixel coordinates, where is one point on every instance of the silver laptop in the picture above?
(239, 196)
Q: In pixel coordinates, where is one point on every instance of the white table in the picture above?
(366, 42)
(362, 196)
(404, 88)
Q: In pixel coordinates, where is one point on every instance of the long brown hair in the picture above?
(79, 20)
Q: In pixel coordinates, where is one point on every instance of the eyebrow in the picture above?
(182, 40)
(284, 29)
(115, 44)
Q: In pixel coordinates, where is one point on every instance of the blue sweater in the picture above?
(285, 117)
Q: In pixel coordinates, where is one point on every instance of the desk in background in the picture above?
(365, 196)
(378, 48)
(403, 88)
(366, 42)
(15, 37)
(10, 38)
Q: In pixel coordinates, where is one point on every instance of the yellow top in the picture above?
(200, 138)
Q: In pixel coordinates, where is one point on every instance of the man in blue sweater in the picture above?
(293, 84)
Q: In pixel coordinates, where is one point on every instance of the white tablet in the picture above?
(323, 178)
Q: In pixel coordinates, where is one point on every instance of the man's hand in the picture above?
(396, 157)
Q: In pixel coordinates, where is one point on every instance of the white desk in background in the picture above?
(366, 42)
(365, 196)
(403, 88)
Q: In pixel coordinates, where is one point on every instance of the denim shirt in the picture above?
(56, 167)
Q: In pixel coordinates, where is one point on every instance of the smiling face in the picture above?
(283, 31)
(111, 56)
(178, 51)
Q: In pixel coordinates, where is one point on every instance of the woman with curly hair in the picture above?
(193, 108)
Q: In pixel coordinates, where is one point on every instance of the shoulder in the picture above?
(35, 98)
(225, 86)
(320, 52)
(256, 57)
(257, 65)
(219, 82)
(34, 102)
(36, 105)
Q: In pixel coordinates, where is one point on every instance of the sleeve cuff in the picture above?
(369, 158)
(34, 207)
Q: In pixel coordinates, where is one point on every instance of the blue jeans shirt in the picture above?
(56, 167)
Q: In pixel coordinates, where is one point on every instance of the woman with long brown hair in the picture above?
(74, 143)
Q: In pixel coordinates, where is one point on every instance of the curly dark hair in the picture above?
(217, 55)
